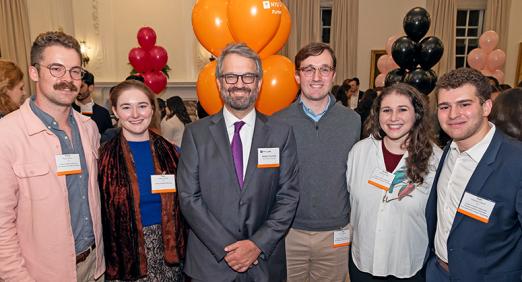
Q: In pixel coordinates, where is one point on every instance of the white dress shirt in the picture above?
(389, 235)
(246, 133)
(454, 177)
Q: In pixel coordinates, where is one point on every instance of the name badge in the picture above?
(165, 183)
(381, 179)
(68, 164)
(342, 238)
(267, 157)
(476, 207)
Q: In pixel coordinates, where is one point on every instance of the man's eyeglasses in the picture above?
(232, 78)
(310, 70)
(59, 70)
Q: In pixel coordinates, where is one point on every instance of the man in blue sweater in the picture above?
(317, 245)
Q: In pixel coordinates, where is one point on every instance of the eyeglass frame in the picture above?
(65, 70)
(330, 70)
(237, 76)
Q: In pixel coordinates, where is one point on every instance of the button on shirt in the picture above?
(454, 177)
(77, 184)
(246, 133)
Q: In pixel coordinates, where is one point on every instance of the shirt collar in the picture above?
(311, 113)
(47, 119)
(230, 119)
(477, 151)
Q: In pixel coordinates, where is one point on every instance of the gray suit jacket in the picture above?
(220, 213)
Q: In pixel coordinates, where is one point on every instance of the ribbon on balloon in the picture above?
(264, 26)
(149, 60)
(486, 59)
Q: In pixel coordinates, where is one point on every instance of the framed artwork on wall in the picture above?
(518, 74)
(374, 71)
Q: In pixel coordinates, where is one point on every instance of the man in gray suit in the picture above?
(237, 181)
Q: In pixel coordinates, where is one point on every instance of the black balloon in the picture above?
(404, 52)
(430, 52)
(423, 80)
(394, 76)
(416, 23)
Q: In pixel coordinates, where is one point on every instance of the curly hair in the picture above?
(506, 113)
(420, 140)
(52, 38)
(459, 77)
(10, 76)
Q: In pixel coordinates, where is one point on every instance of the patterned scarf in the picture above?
(121, 218)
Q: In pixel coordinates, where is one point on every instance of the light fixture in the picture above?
(83, 49)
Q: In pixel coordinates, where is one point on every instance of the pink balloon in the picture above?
(389, 43)
(499, 75)
(477, 59)
(391, 64)
(496, 59)
(382, 64)
(156, 81)
(488, 41)
(486, 72)
(139, 59)
(146, 37)
(379, 80)
(158, 58)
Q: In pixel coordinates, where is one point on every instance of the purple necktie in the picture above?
(237, 152)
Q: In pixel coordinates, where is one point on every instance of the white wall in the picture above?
(514, 39)
(378, 20)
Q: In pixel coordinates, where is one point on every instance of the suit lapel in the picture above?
(484, 169)
(218, 130)
(258, 141)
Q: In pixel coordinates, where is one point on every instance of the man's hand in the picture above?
(241, 255)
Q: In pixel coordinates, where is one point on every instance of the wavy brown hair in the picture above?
(10, 76)
(420, 140)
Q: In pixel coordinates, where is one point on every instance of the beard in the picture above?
(239, 103)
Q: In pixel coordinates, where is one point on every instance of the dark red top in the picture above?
(390, 160)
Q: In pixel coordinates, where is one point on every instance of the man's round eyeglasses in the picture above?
(232, 78)
(310, 70)
(59, 70)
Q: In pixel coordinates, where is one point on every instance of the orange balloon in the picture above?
(279, 87)
(207, 89)
(254, 22)
(210, 24)
(281, 35)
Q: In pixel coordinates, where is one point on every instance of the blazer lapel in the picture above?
(218, 130)
(258, 141)
(484, 169)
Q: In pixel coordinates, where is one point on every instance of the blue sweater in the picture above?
(150, 204)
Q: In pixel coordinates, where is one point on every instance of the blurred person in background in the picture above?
(12, 88)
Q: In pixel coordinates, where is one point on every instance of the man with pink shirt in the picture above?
(50, 224)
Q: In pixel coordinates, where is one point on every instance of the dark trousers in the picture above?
(358, 276)
(434, 272)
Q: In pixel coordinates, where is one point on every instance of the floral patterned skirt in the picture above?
(157, 270)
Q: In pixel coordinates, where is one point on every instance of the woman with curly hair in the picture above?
(11, 87)
(173, 125)
(389, 177)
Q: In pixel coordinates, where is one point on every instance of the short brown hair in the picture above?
(52, 38)
(459, 77)
(313, 49)
(117, 90)
(506, 112)
(10, 76)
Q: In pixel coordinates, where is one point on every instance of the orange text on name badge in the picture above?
(267, 165)
(380, 186)
(60, 173)
(474, 216)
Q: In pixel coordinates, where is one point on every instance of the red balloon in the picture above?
(146, 37)
(155, 80)
(207, 90)
(139, 59)
(279, 87)
(158, 58)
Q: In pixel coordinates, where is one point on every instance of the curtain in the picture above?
(497, 18)
(345, 17)
(15, 44)
(306, 25)
(443, 14)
